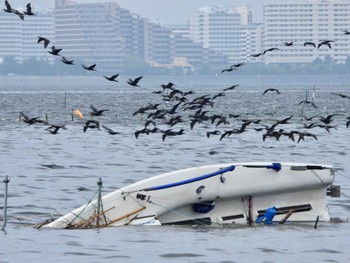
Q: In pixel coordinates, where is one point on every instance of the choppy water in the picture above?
(53, 174)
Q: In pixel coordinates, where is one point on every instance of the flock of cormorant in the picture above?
(197, 107)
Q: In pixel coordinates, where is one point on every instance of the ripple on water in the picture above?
(180, 255)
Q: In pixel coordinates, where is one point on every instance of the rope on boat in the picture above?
(319, 178)
(347, 177)
(79, 214)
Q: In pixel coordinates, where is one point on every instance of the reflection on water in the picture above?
(53, 174)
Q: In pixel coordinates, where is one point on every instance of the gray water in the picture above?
(53, 174)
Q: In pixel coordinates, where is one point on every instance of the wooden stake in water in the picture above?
(99, 184)
(6, 181)
(65, 100)
(316, 222)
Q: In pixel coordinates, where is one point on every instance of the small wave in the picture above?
(53, 166)
(180, 255)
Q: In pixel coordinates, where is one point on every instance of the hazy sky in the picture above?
(166, 11)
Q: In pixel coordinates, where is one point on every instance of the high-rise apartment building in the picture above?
(108, 35)
(89, 34)
(224, 30)
(310, 21)
(18, 38)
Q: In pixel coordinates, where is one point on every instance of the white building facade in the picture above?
(225, 30)
(310, 21)
(18, 38)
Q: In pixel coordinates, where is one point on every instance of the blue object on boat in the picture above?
(274, 166)
(204, 207)
(267, 217)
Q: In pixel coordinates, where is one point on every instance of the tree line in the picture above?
(32, 66)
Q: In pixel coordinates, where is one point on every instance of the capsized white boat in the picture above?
(214, 194)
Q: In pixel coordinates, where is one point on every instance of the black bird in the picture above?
(325, 42)
(66, 61)
(228, 69)
(55, 51)
(174, 108)
(307, 102)
(20, 15)
(267, 90)
(55, 128)
(29, 12)
(233, 115)
(134, 82)
(167, 86)
(215, 132)
(138, 132)
(8, 7)
(46, 41)
(223, 120)
(91, 67)
(270, 49)
(220, 94)
(110, 131)
(238, 65)
(226, 134)
(92, 124)
(342, 95)
(307, 134)
(346, 32)
(188, 92)
(55, 131)
(327, 119)
(149, 122)
(310, 118)
(288, 44)
(285, 120)
(173, 121)
(144, 109)
(112, 78)
(257, 55)
(28, 120)
(170, 132)
(231, 88)
(96, 112)
(276, 134)
(31, 121)
(308, 43)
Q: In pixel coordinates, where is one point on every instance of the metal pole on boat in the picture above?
(316, 222)
(6, 181)
(250, 210)
(99, 184)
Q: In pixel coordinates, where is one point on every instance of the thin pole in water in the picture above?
(6, 181)
(99, 184)
(315, 226)
(65, 100)
(274, 106)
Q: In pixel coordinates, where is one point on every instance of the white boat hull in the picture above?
(235, 194)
